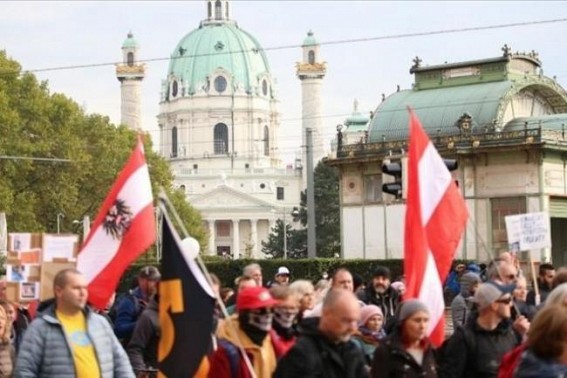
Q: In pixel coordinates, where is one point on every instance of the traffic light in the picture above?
(394, 188)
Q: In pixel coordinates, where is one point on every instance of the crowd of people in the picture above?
(343, 326)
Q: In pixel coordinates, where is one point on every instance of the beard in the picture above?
(380, 289)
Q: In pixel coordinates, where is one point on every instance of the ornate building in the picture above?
(505, 123)
(219, 127)
(130, 74)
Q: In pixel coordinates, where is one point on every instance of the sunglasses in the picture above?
(504, 300)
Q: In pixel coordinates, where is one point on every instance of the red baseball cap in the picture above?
(252, 298)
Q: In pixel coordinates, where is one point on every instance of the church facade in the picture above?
(505, 124)
(219, 129)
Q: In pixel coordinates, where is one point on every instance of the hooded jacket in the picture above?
(461, 304)
(387, 301)
(531, 366)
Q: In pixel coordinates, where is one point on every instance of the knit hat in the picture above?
(489, 292)
(410, 307)
(381, 271)
(367, 312)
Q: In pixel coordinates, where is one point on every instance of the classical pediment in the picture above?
(224, 197)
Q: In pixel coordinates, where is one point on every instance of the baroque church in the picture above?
(219, 128)
(504, 122)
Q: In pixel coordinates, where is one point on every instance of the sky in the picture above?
(45, 35)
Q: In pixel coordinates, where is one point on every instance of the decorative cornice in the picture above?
(135, 69)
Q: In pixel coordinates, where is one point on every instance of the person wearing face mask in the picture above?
(285, 313)
(249, 327)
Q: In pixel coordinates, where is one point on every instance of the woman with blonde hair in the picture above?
(546, 355)
(305, 291)
(6, 349)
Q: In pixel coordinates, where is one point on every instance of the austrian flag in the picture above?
(123, 229)
(436, 216)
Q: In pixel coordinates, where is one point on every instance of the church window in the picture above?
(174, 142)
(280, 193)
(221, 138)
(220, 84)
(130, 59)
(226, 10)
(210, 10)
(265, 87)
(174, 88)
(266, 141)
(311, 57)
(218, 10)
(223, 229)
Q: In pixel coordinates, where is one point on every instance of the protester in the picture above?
(560, 277)
(370, 330)
(68, 339)
(358, 284)
(502, 271)
(520, 306)
(544, 284)
(557, 296)
(452, 286)
(321, 288)
(304, 290)
(130, 306)
(400, 287)
(476, 349)
(21, 316)
(142, 349)
(254, 271)
(341, 279)
(250, 328)
(6, 348)
(242, 283)
(285, 314)
(281, 277)
(325, 349)
(462, 303)
(380, 293)
(546, 356)
(406, 352)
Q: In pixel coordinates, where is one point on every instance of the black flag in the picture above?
(186, 307)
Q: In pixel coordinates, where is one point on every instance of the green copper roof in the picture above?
(438, 109)
(545, 122)
(218, 46)
(310, 40)
(130, 42)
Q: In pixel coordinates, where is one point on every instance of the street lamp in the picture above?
(59, 216)
(294, 214)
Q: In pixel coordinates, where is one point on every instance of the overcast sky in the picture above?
(60, 34)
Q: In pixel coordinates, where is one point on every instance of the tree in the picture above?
(327, 220)
(36, 123)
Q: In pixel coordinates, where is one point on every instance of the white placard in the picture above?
(529, 231)
(17, 273)
(20, 242)
(59, 246)
(29, 291)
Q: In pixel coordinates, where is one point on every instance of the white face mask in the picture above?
(261, 320)
(284, 316)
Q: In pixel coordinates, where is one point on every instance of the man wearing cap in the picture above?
(249, 328)
(281, 278)
(129, 306)
(380, 293)
(476, 349)
(325, 348)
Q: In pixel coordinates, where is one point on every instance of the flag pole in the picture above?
(210, 282)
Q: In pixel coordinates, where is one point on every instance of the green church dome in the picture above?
(309, 40)
(219, 46)
(130, 42)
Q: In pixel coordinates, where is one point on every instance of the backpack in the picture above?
(113, 311)
(470, 343)
(233, 355)
(510, 361)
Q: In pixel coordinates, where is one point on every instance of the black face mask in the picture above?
(248, 322)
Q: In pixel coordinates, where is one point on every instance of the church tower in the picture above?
(311, 72)
(130, 73)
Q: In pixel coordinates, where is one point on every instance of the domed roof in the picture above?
(310, 40)
(130, 42)
(356, 120)
(214, 46)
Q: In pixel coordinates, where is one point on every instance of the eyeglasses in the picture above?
(504, 300)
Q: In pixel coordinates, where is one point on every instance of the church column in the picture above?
(235, 239)
(254, 237)
(212, 249)
(272, 225)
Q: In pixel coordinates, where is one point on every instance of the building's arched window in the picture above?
(130, 59)
(218, 10)
(266, 141)
(311, 57)
(174, 142)
(221, 138)
(210, 10)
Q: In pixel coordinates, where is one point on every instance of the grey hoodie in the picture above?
(462, 303)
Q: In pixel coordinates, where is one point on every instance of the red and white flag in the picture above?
(123, 229)
(436, 216)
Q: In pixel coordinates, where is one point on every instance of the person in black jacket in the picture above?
(324, 348)
(476, 349)
(379, 292)
(407, 351)
(142, 349)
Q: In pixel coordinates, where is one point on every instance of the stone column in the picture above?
(254, 237)
(212, 247)
(235, 239)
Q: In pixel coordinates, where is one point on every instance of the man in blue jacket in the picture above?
(70, 340)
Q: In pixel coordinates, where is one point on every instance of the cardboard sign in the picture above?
(529, 231)
(48, 272)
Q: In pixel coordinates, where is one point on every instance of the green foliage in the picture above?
(36, 123)
(296, 242)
